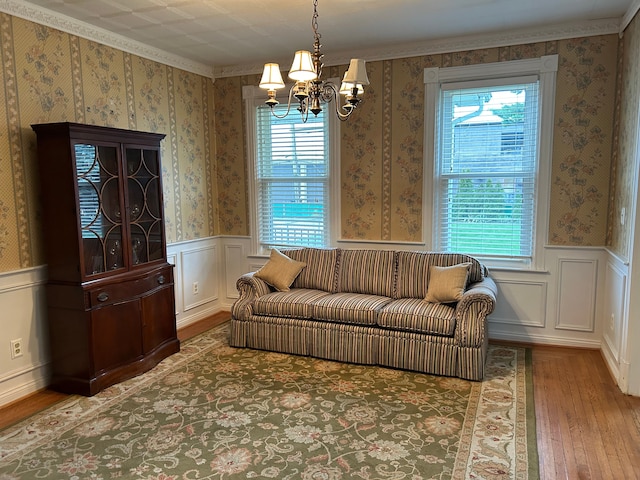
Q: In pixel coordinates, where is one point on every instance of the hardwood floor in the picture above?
(586, 427)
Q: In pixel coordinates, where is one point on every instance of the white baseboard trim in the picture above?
(200, 315)
(546, 340)
(610, 360)
(623, 378)
(23, 383)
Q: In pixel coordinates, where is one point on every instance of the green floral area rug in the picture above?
(213, 412)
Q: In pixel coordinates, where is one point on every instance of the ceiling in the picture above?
(230, 33)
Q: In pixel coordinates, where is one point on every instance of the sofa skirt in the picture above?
(419, 352)
(360, 344)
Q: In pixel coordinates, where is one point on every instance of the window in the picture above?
(291, 182)
(490, 158)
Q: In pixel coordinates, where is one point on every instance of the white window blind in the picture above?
(88, 171)
(486, 167)
(292, 179)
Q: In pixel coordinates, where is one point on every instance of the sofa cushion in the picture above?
(349, 308)
(412, 276)
(297, 302)
(280, 271)
(321, 271)
(369, 272)
(447, 284)
(416, 315)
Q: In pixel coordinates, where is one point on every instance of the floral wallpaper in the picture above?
(583, 140)
(230, 155)
(626, 166)
(382, 149)
(51, 76)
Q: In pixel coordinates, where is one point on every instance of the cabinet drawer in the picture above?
(115, 293)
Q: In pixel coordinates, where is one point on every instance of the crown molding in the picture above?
(629, 16)
(455, 44)
(55, 20)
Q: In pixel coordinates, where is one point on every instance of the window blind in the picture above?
(486, 166)
(292, 179)
(88, 171)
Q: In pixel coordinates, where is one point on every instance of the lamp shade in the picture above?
(271, 77)
(357, 72)
(302, 67)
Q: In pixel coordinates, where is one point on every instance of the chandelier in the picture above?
(310, 90)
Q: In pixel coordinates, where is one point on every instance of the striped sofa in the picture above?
(368, 307)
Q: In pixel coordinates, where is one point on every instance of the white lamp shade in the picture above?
(357, 72)
(271, 77)
(302, 67)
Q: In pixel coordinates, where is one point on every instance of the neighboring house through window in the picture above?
(290, 174)
(488, 144)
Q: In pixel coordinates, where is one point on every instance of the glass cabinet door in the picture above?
(100, 208)
(145, 207)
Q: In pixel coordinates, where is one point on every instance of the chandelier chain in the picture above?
(314, 22)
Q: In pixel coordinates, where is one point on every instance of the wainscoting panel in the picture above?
(198, 270)
(576, 294)
(559, 304)
(615, 282)
(23, 304)
(234, 264)
(197, 277)
(521, 303)
(615, 318)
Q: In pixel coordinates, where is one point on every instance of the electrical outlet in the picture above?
(196, 288)
(16, 348)
(612, 322)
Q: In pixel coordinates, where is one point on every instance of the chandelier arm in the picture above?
(342, 116)
(304, 112)
(288, 106)
(329, 93)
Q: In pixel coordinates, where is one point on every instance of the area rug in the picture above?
(213, 412)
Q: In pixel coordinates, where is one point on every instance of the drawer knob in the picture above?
(103, 297)
(161, 279)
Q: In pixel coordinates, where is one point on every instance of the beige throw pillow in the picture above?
(447, 284)
(280, 271)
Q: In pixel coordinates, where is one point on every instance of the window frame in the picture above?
(545, 68)
(254, 97)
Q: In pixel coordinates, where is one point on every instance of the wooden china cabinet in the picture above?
(110, 291)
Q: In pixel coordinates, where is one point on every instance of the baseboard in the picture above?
(187, 320)
(610, 360)
(546, 340)
(18, 385)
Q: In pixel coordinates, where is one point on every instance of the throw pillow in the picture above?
(280, 271)
(447, 284)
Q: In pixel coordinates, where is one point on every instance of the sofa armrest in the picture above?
(476, 303)
(250, 287)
